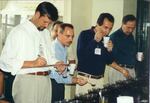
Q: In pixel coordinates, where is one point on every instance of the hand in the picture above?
(126, 74)
(110, 46)
(40, 61)
(81, 81)
(98, 36)
(60, 66)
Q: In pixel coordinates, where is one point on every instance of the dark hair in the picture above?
(46, 8)
(128, 18)
(64, 25)
(103, 16)
(55, 23)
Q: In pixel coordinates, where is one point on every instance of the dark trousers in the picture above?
(8, 81)
(58, 91)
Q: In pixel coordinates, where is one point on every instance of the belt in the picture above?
(127, 66)
(90, 76)
(44, 73)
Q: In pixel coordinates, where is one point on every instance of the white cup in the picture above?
(106, 40)
(125, 99)
(72, 68)
(139, 56)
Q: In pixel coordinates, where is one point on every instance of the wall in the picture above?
(78, 12)
(3, 3)
(118, 8)
(130, 6)
(115, 7)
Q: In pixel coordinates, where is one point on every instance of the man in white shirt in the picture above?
(26, 53)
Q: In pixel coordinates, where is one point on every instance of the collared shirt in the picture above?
(70, 53)
(59, 53)
(124, 49)
(88, 61)
(23, 44)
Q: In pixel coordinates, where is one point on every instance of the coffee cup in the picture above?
(72, 68)
(106, 40)
(139, 56)
(125, 99)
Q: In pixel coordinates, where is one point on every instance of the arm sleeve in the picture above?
(59, 78)
(12, 56)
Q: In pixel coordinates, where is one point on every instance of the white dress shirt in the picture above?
(23, 44)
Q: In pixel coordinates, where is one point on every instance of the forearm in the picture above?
(29, 64)
(40, 61)
(117, 67)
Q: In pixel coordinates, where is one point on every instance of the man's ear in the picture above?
(37, 14)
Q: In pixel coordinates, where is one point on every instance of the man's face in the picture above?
(67, 36)
(129, 27)
(43, 22)
(105, 28)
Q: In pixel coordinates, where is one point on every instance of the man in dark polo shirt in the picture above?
(93, 56)
(124, 48)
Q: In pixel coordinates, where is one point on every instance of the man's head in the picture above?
(128, 24)
(54, 29)
(45, 14)
(66, 34)
(105, 23)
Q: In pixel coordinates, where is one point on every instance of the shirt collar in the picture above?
(60, 44)
(123, 34)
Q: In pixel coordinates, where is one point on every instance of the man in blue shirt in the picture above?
(59, 53)
(124, 49)
(93, 56)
